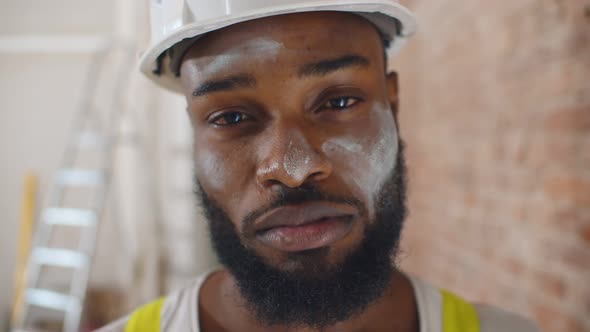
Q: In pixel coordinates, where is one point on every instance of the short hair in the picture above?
(386, 44)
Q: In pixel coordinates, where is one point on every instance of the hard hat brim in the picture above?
(392, 19)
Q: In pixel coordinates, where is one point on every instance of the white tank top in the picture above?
(180, 311)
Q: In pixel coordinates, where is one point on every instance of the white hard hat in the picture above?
(176, 23)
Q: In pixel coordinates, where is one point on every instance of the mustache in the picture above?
(304, 194)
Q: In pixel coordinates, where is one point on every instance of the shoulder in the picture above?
(492, 319)
(179, 308)
(431, 302)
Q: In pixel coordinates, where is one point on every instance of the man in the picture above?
(300, 171)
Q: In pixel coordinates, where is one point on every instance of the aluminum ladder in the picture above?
(76, 202)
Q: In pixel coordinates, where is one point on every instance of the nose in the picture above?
(290, 160)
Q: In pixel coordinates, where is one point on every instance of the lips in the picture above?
(305, 226)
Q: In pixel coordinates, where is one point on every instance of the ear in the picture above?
(393, 92)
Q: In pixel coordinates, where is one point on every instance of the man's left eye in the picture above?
(340, 103)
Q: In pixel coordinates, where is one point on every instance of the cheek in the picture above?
(212, 170)
(365, 162)
(220, 168)
(224, 173)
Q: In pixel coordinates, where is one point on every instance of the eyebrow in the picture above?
(225, 84)
(328, 66)
(320, 68)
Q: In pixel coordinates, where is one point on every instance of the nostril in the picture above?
(273, 183)
(317, 176)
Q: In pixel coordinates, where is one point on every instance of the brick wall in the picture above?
(496, 116)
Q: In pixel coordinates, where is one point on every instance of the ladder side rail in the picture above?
(43, 231)
(88, 240)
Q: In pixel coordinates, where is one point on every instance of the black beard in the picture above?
(316, 295)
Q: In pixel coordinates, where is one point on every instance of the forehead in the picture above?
(301, 36)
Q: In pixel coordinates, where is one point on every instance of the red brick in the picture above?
(497, 122)
(514, 266)
(551, 284)
(585, 234)
(569, 188)
(573, 325)
(572, 218)
(566, 150)
(569, 121)
(548, 318)
(577, 258)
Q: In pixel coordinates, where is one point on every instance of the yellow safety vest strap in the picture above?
(146, 318)
(458, 315)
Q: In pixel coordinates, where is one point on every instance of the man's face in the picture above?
(295, 142)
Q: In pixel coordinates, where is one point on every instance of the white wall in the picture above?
(56, 17)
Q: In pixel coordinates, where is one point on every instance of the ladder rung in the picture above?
(50, 299)
(69, 217)
(59, 257)
(80, 177)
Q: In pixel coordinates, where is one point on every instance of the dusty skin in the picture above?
(265, 117)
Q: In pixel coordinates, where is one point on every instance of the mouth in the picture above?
(306, 226)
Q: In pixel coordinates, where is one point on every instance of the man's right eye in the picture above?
(229, 119)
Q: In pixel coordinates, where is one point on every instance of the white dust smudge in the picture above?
(259, 48)
(213, 170)
(343, 143)
(296, 161)
(369, 161)
(270, 168)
